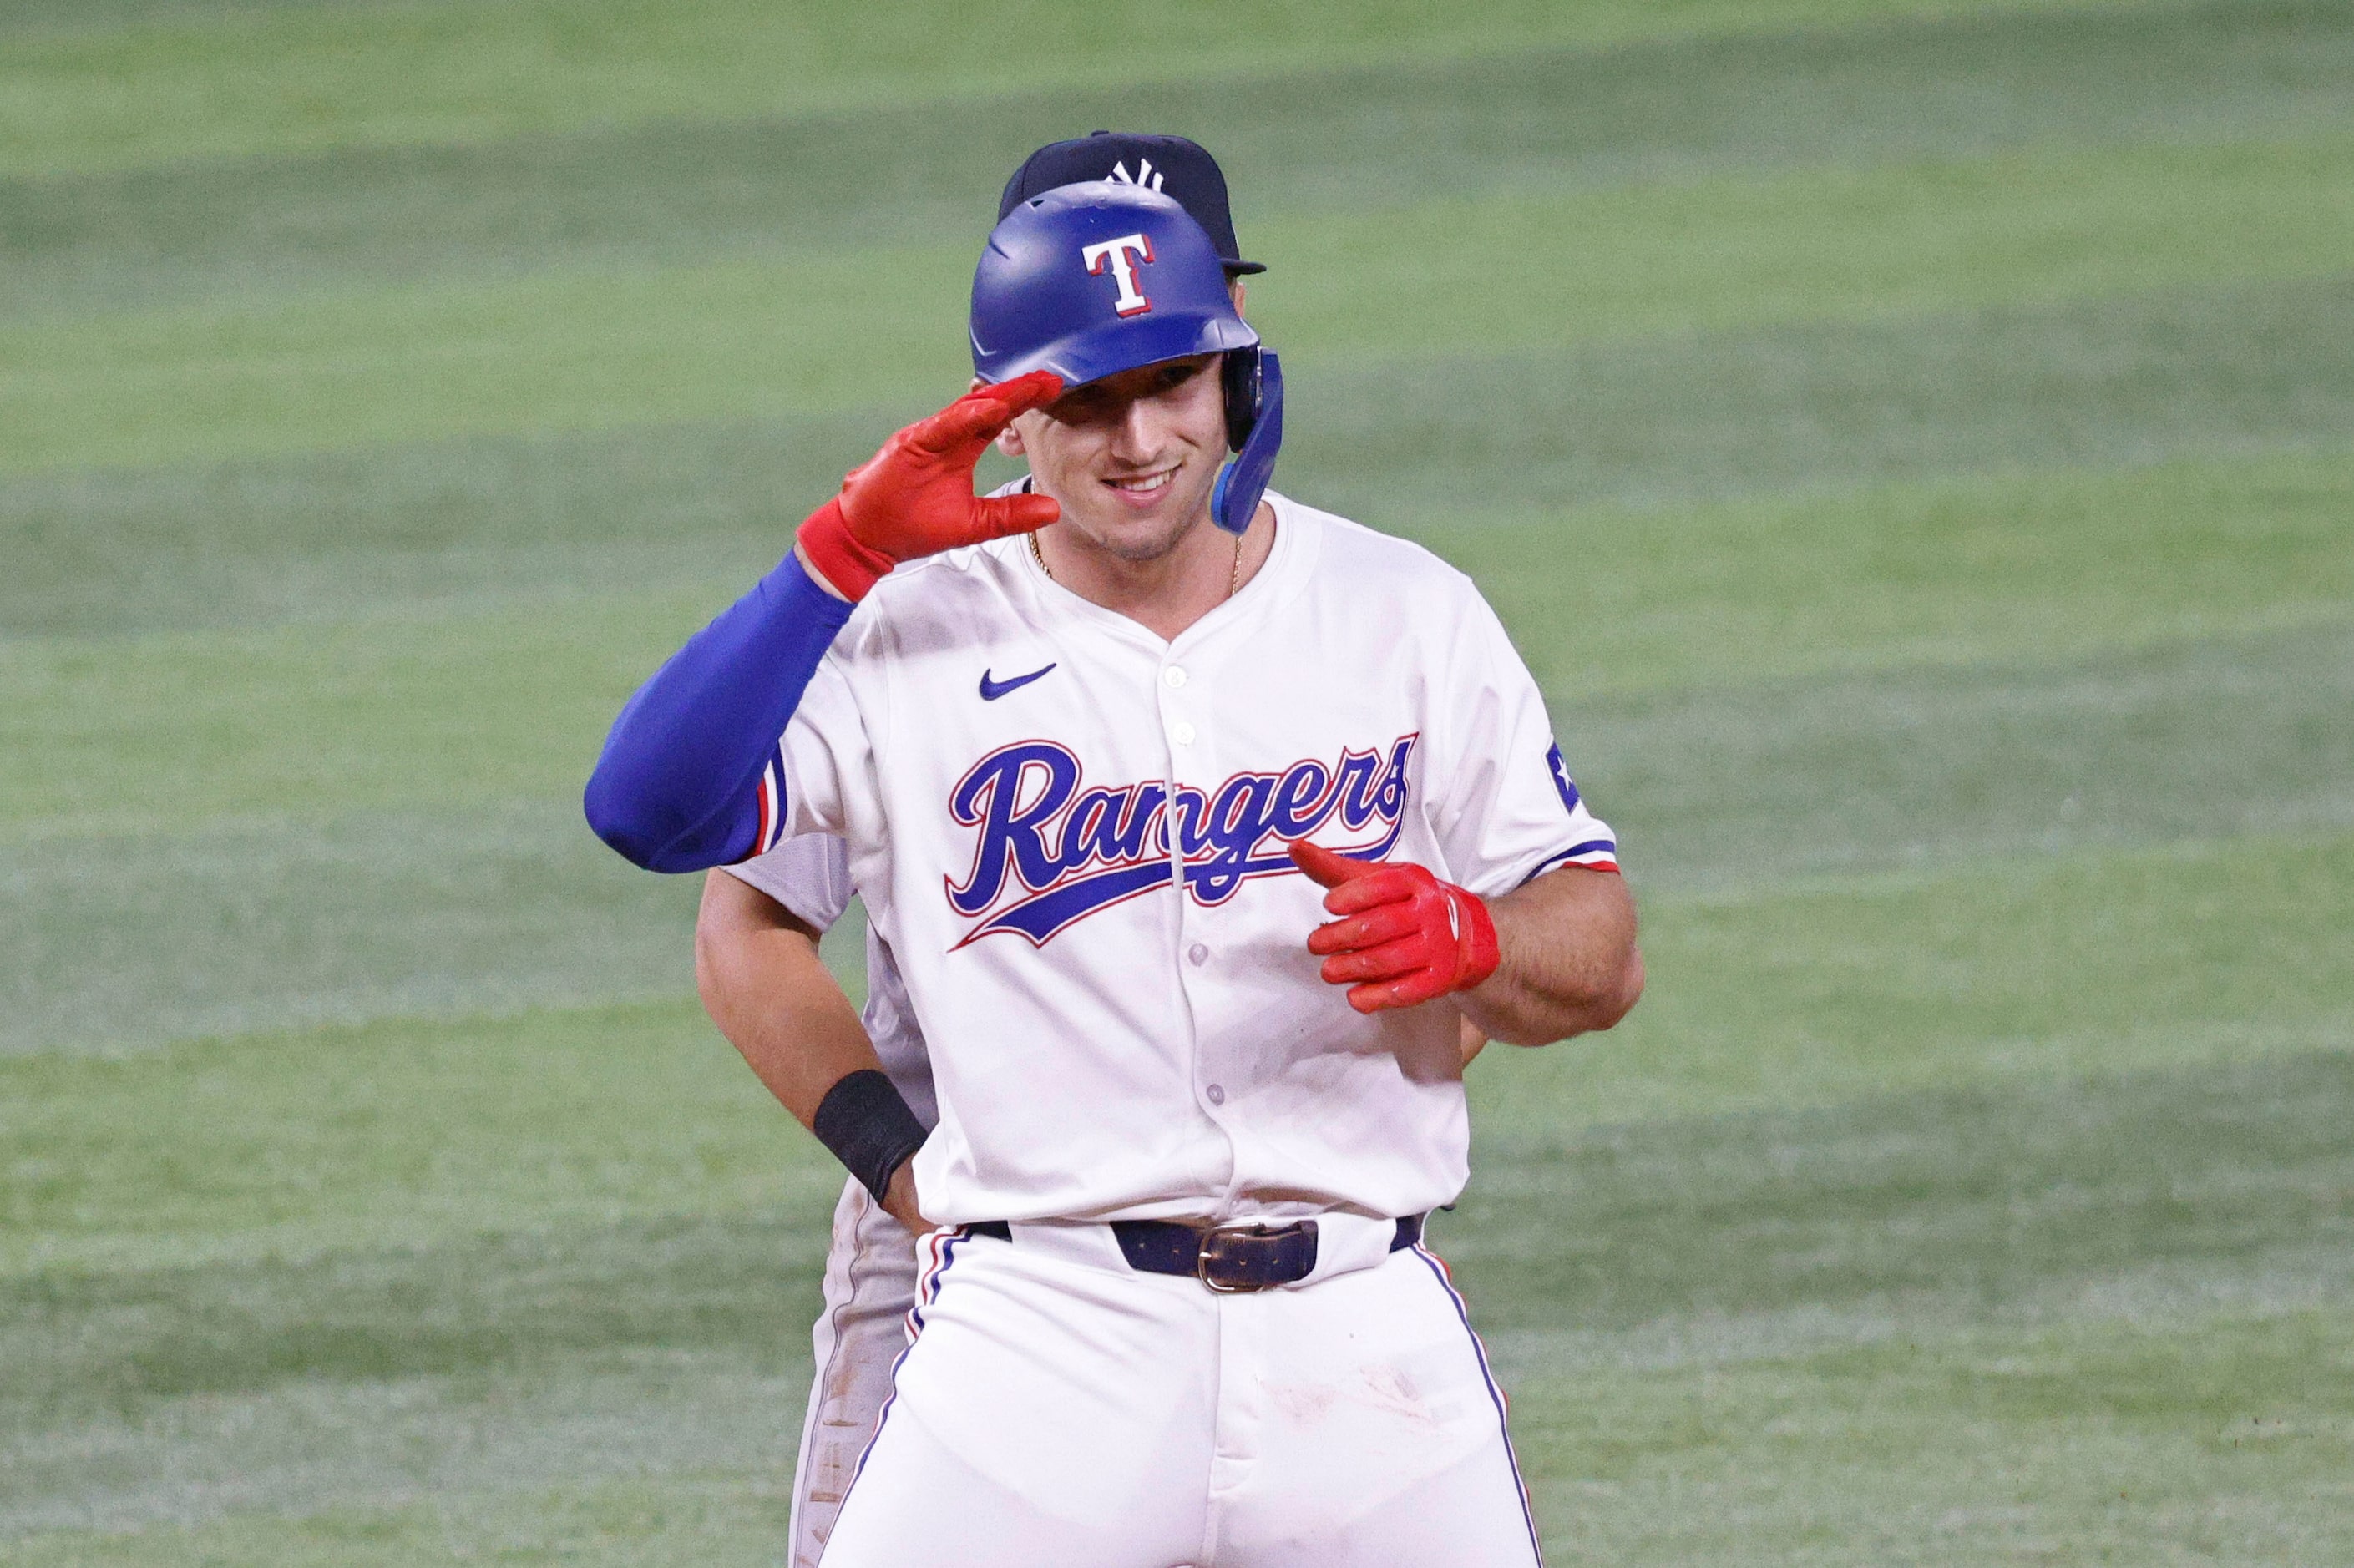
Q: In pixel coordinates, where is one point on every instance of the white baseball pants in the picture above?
(1055, 1406)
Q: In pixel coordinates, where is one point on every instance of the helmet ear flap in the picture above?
(1234, 498)
(1245, 394)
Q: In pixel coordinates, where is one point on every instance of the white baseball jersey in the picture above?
(1070, 835)
(811, 876)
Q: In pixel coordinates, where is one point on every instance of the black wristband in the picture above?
(866, 1123)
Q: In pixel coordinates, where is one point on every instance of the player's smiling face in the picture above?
(1132, 456)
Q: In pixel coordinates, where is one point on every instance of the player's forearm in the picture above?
(770, 994)
(678, 785)
(1568, 964)
(757, 969)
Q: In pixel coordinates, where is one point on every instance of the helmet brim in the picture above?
(1110, 349)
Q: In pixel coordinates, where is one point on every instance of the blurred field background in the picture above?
(1913, 442)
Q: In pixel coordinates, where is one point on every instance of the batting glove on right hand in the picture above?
(915, 496)
(1404, 937)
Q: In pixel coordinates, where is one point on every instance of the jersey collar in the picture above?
(1277, 581)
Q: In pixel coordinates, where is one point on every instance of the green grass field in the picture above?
(1912, 440)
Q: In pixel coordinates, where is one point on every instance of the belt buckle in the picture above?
(1213, 1251)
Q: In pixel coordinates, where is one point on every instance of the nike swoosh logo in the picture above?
(992, 690)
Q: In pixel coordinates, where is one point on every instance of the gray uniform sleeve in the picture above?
(809, 875)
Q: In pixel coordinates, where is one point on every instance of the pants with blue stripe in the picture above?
(1055, 1406)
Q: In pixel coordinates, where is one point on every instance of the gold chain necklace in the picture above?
(1234, 579)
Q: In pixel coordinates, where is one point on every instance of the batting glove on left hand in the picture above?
(1404, 937)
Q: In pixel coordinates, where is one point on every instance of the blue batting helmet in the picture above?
(1089, 280)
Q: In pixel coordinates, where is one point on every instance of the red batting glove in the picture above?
(1404, 937)
(915, 496)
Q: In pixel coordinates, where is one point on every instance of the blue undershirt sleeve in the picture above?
(678, 785)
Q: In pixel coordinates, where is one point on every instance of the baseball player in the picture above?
(755, 944)
(1196, 823)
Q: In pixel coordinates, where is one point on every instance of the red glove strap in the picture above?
(1475, 934)
(849, 568)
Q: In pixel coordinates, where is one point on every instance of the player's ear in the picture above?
(1237, 292)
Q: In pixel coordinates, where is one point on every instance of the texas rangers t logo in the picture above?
(1052, 851)
(1125, 254)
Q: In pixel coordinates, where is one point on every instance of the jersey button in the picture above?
(1173, 676)
(1181, 733)
(1218, 1095)
(1199, 954)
